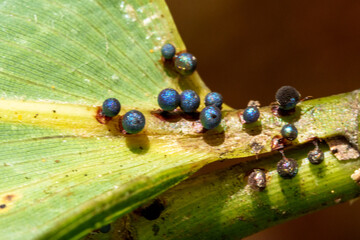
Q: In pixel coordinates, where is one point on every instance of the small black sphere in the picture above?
(289, 131)
(153, 211)
(257, 179)
(316, 156)
(287, 168)
(287, 97)
(106, 228)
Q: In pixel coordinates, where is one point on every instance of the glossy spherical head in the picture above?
(168, 99)
(214, 98)
(133, 121)
(189, 101)
(106, 228)
(316, 156)
(289, 132)
(257, 179)
(251, 114)
(185, 63)
(210, 117)
(287, 168)
(111, 107)
(168, 51)
(287, 97)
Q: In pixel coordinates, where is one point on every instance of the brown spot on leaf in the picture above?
(174, 116)
(278, 142)
(7, 200)
(9, 197)
(256, 147)
(101, 118)
(342, 149)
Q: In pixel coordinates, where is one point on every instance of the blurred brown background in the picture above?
(248, 49)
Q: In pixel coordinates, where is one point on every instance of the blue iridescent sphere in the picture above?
(251, 114)
(214, 98)
(210, 117)
(189, 101)
(106, 228)
(111, 107)
(287, 168)
(133, 121)
(287, 97)
(168, 51)
(289, 131)
(185, 63)
(168, 99)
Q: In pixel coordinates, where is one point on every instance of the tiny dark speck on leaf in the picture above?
(9, 197)
(54, 111)
(2, 206)
(106, 228)
(85, 175)
(155, 229)
(240, 218)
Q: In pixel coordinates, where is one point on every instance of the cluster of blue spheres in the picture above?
(210, 117)
(189, 101)
(132, 122)
(184, 63)
(169, 99)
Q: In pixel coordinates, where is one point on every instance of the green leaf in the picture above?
(223, 205)
(64, 173)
